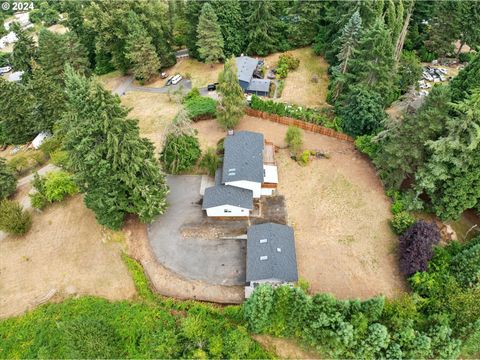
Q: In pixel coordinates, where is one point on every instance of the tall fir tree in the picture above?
(24, 51)
(16, 113)
(446, 16)
(305, 19)
(210, 39)
(348, 42)
(373, 63)
(229, 15)
(231, 105)
(467, 79)
(49, 99)
(192, 14)
(261, 26)
(141, 52)
(114, 166)
(451, 177)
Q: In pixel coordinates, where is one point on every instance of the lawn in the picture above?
(339, 211)
(299, 88)
(200, 73)
(154, 112)
(111, 80)
(65, 253)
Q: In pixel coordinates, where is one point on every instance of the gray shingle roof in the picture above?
(243, 159)
(275, 244)
(227, 195)
(262, 85)
(245, 67)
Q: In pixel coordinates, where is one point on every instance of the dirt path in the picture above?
(339, 211)
(285, 348)
(66, 253)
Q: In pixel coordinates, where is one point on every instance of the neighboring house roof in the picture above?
(227, 195)
(243, 159)
(259, 85)
(271, 253)
(15, 76)
(245, 67)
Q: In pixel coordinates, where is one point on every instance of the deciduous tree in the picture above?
(232, 101)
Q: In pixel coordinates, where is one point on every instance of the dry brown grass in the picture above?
(111, 80)
(65, 252)
(201, 74)
(154, 112)
(58, 28)
(299, 88)
(339, 211)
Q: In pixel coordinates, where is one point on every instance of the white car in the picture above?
(5, 69)
(176, 79)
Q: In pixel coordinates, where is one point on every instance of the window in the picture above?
(227, 210)
(264, 257)
(263, 241)
(279, 250)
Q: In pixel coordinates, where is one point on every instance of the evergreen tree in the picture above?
(348, 40)
(445, 28)
(231, 22)
(261, 27)
(140, 51)
(49, 99)
(451, 177)
(210, 40)
(231, 105)
(466, 80)
(373, 63)
(402, 146)
(16, 113)
(24, 51)
(114, 166)
(306, 22)
(469, 20)
(192, 14)
(8, 183)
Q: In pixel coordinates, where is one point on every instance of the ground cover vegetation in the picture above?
(149, 327)
(438, 320)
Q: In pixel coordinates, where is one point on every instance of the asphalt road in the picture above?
(215, 261)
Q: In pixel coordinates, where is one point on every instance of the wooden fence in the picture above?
(298, 123)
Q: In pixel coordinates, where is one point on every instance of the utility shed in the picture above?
(271, 256)
(259, 87)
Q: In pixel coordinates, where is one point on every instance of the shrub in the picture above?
(366, 145)
(8, 183)
(466, 57)
(13, 219)
(466, 264)
(286, 62)
(180, 153)
(293, 138)
(50, 145)
(192, 94)
(59, 158)
(201, 106)
(38, 200)
(409, 71)
(210, 161)
(416, 247)
(19, 164)
(58, 185)
(304, 158)
(221, 146)
(258, 308)
(401, 222)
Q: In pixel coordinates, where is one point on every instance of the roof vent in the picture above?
(279, 249)
(263, 241)
(264, 257)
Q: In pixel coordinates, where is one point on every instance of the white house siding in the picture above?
(267, 192)
(270, 174)
(227, 211)
(254, 186)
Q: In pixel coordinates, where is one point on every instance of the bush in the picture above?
(180, 153)
(13, 219)
(8, 183)
(466, 57)
(22, 163)
(201, 106)
(51, 145)
(210, 161)
(286, 62)
(38, 200)
(293, 138)
(366, 145)
(466, 265)
(401, 222)
(58, 185)
(416, 247)
(304, 158)
(59, 158)
(192, 94)
(409, 71)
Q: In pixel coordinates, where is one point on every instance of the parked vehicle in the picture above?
(212, 87)
(163, 75)
(271, 74)
(176, 79)
(169, 80)
(5, 69)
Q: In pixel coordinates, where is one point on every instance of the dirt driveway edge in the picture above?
(166, 282)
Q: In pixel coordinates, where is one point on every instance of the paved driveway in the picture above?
(215, 261)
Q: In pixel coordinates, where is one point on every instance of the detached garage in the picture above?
(225, 201)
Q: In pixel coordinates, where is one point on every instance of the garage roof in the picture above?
(245, 67)
(227, 195)
(259, 85)
(271, 253)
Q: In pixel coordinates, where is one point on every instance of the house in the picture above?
(248, 164)
(246, 67)
(271, 256)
